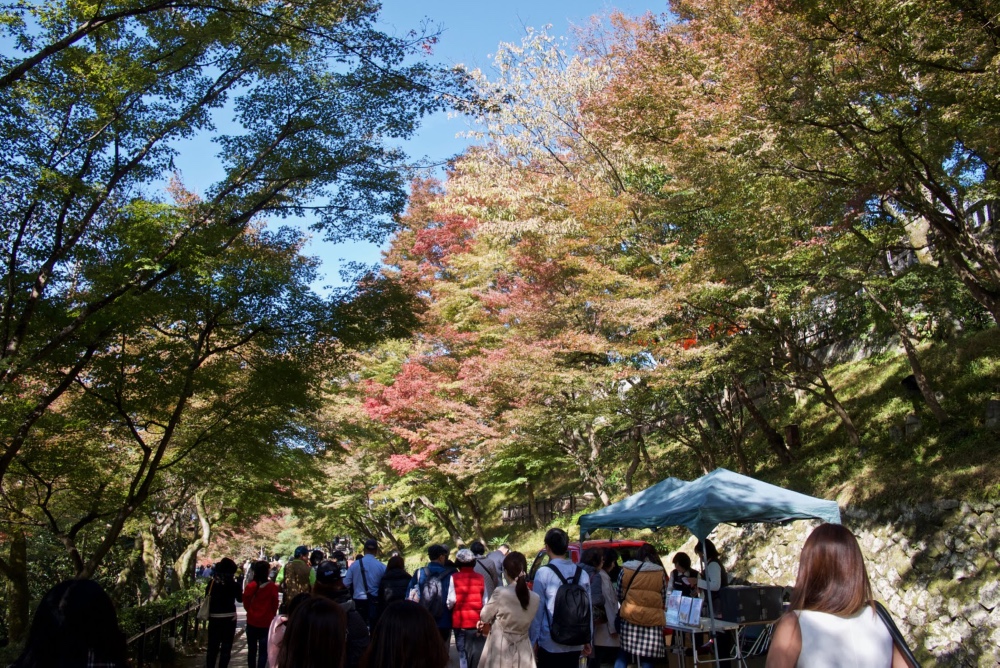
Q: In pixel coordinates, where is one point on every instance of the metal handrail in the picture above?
(183, 615)
(186, 611)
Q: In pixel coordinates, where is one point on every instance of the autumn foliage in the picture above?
(670, 229)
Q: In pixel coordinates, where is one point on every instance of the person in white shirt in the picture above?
(832, 622)
(714, 577)
(551, 654)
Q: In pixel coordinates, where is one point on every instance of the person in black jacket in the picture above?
(223, 591)
(74, 625)
(330, 585)
(395, 583)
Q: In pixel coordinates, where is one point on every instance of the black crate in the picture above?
(741, 604)
(771, 602)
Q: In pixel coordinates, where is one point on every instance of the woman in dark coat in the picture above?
(330, 585)
(223, 592)
(395, 583)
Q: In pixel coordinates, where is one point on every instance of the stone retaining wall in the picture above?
(935, 566)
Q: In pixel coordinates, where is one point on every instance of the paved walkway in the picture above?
(239, 656)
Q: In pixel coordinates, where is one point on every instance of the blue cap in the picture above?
(301, 551)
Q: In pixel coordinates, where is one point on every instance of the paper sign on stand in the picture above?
(674, 608)
(684, 611)
(689, 612)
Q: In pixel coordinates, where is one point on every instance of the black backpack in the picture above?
(570, 624)
(432, 593)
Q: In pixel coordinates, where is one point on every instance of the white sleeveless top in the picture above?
(829, 641)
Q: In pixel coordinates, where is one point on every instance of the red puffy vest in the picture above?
(469, 588)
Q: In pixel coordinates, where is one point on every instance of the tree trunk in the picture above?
(774, 439)
(988, 298)
(706, 460)
(536, 522)
(741, 456)
(18, 594)
(705, 453)
(394, 539)
(922, 381)
(152, 561)
(833, 402)
(715, 429)
(917, 228)
(184, 564)
(456, 512)
(807, 365)
(443, 518)
(706, 410)
(645, 455)
(125, 576)
(600, 484)
(898, 317)
(585, 453)
(477, 516)
(634, 464)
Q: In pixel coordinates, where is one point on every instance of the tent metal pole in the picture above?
(708, 594)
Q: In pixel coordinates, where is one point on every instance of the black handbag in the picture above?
(897, 638)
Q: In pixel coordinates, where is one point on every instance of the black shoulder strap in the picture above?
(629, 585)
(255, 592)
(561, 579)
(558, 573)
(364, 580)
(576, 576)
(897, 638)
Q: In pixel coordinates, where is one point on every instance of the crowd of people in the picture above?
(318, 611)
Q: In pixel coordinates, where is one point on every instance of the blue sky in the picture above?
(470, 32)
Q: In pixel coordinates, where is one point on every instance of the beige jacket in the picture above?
(508, 645)
(645, 600)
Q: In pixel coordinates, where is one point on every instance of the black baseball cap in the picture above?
(371, 544)
(328, 572)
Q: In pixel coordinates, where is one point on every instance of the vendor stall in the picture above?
(720, 497)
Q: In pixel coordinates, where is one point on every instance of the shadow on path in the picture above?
(196, 658)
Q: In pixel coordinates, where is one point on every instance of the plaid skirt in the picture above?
(646, 641)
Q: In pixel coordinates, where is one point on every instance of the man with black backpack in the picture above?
(563, 627)
(429, 587)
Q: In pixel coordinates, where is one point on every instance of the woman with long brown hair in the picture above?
(406, 635)
(832, 622)
(315, 636)
(506, 619)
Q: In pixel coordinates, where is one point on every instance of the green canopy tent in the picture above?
(639, 506)
(719, 497)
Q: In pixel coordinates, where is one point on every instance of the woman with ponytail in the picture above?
(506, 619)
